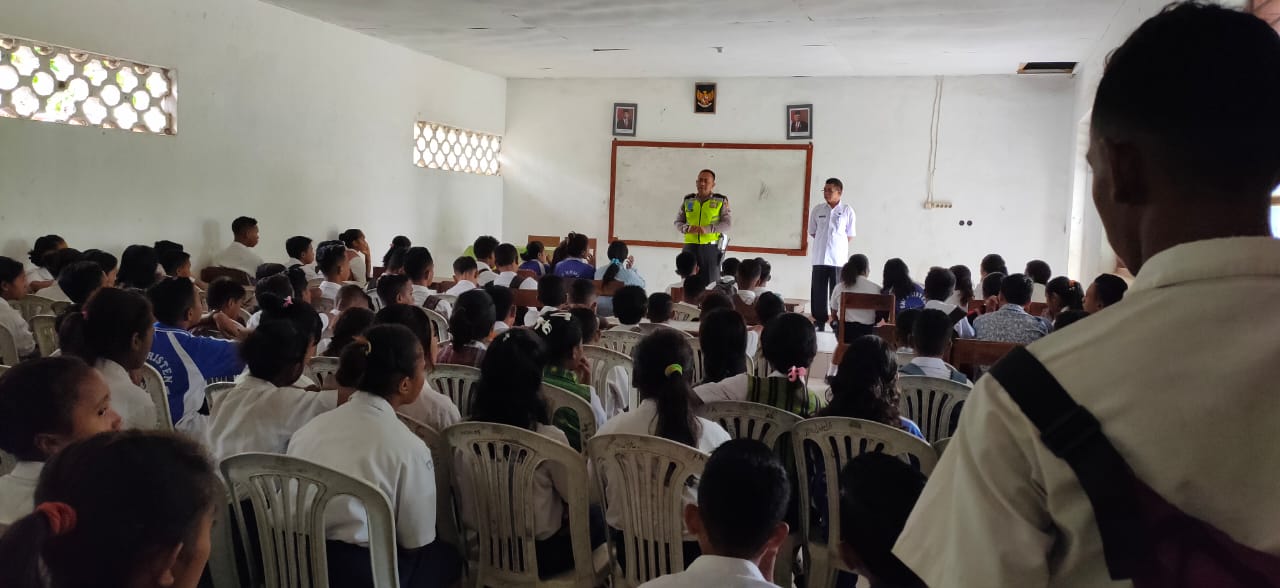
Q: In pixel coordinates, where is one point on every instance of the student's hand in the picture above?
(583, 370)
(631, 261)
(695, 230)
(136, 377)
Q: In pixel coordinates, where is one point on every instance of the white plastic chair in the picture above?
(760, 366)
(557, 399)
(7, 462)
(223, 572)
(439, 325)
(623, 342)
(442, 458)
(154, 384)
(498, 464)
(46, 333)
(933, 403)
(458, 382)
(751, 420)
(699, 371)
(32, 305)
(289, 496)
(213, 391)
(450, 298)
(8, 347)
(840, 440)
(315, 282)
(683, 311)
(322, 371)
(603, 361)
(941, 445)
(652, 473)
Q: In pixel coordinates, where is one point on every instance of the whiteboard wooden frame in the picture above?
(804, 218)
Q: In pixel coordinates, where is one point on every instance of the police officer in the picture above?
(703, 217)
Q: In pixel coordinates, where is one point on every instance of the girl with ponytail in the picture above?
(1063, 294)
(621, 267)
(470, 326)
(567, 368)
(113, 333)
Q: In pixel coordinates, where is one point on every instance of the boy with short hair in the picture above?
(394, 289)
(507, 258)
(629, 308)
(301, 252)
(877, 493)
(421, 269)
(484, 249)
(465, 276)
(931, 335)
(239, 254)
(551, 295)
(504, 308)
(1011, 323)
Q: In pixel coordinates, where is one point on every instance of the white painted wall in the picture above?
(301, 124)
(1004, 160)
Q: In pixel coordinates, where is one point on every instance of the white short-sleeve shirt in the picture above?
(714, 570)
(461, 287)
(134, 405)
(831, 228)
(18, 490)
(257, 416)
(504, 279)
(18, 327)
(38, 274)
(364, 439)
(237, 255)
(433, 409)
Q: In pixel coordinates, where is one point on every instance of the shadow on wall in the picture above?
(211, 233)
(17, 249)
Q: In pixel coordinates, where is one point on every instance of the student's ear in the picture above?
(162, 572)
(693, 520)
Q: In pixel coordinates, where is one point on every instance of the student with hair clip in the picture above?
(897, 281)
(663, 366)
(117, 509)
(789, 346)
(865, 386)
(963, 293)
(291, 285)
(504, 308)
(138, 267)
(723, 335)
(45, 405)
(621, 267)
(470, 327)
(38, 276)
(686, 265)
(303, 318)
(13, 286)
(853, 280)
(113, 333)
(577, 262)
(106, 261)
(1062, 294)
(568, 368)
(226, 298)
(363, 438)
(483, 250)
(535, 258)
(506, 256)
(552, 295)
(466, 274)
(629, 305)
(394, 289)
(431, 408)
(332, 263)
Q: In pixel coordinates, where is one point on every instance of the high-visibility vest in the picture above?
(703, 214)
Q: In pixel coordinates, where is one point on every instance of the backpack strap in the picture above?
(957, 314)
(1073, 434)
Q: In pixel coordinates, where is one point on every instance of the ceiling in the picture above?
(728, 38)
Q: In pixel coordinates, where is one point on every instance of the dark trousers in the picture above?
(708, 257)
(824, 280)
(555, 553)
(435, 564)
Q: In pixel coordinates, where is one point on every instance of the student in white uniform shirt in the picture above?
(1183, 185)
(302, 253)
(507, 256)
(55, 263)
(789, 347)
(832, 226)
(663, 366)
(722, 334)
(484, 249)
(939, 284)
(331, 261)
(45, 405)
(394, 289)
(739, 520)
(364, 439)
(358, 253)
(431, 408)
(239, 254)
(421, 269)
(931, 336)
(552, 295)
(504, 308)
(38, 276)
(464, 276)
(747, 279)
(114, 334)
(1040, 274)
(13, 286)
(854, 280)
(630, 306)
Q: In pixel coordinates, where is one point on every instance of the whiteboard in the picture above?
(767, 186)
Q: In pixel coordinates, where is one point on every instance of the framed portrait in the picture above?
(624, 119)
(704, 98)
(799, 121)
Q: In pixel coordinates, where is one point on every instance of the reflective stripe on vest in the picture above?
(702, 214)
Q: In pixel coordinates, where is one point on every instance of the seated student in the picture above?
(963, 293)
(79, 281)
(239, 254)
(117, 509)
(552, 295)
(990, 294)
(302, 253)
(1040, 274)
(659, 310)
(504, 308)
(877, 493)
(713, 300)
(621, 267)
(350, 324)
(352, 296)
(939, 284)
(264, 409)
(686, 265)
(629, 308)
(853, 279)
(465, 272)
(364, 438)
(106, 261)
(39, 276)
(617, 393)
(695, 287)
(582, 294)
(1068, 317)
(331, 261)
(395, 289)
(484, 248)
(578, 259)
(358, 253)
(58, 261)
(768, 307)
(138, 268)
(992, 263)
(931, 339)
(904, 329)
(225, 298)
(45, 405)
(739, 519)
(113, 333)
(281, 286)
(431, 408)
(766, 274)
(1061, 295)
(470, 326)
(1106, 290)
(748, 278)
(535, 258)
(393, 262)
(185, 361)
(13, 286)
(176, 264)
(421, 269)
(505, 257)
(398, 243)
(728, 282)
(897, 281)
(723, 336)
(790, 346)
(567, 368)
(865, 386)
(663, 366)
(1011, 323)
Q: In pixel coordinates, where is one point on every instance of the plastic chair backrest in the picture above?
(602, 362)
(8, 347)
(683, 311)
(941, 445)
(321, 304)
(7, 463)
(322, 371)
(653, 473)
(557, 399)
(154, 384)
(442, 459)
(750, 420)
(32, 305)
(458, 382)
(933, 403)
(623, 342)
(45, 332)
(213, 391)
(289, 496)
(497, 465)
(699, 362)
(439, 325)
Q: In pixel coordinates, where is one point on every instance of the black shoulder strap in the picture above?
(956, 314)
(515, 282)
(1073, 434)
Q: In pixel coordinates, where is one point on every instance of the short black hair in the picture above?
(766, 269)
(695, 286)
(56, 260)
(418, 263)
(629, 304)
(905, 326)
(581, 291)
(991, 284)
(931, 333)
(769, 306)
(165, 245)
(1111, 288)
(748, 271)
(350, 236)
(939, 283)
(994, 264)
(877, 493)
(10, 269)
(465, 264)
(171, 298)
(268, 269)
(242, 224)
(394, 260)
(80, 279)
(329, 257)
(659, 307)
(503, 300)
(835, 182)
(729, 267)
(1068, 317)
(1039, 271)
(1016, 289)
(389, 286)
(714, 300)
(588, 322)
(42, 246)
(484, 246)
(707, 171)
(743, 495)
(685, 262)
(296, 246)
(789, 341)
(505, 254)
(105, 260)
(273, 347)
(551, 291)
(222, 291)
(173, 259)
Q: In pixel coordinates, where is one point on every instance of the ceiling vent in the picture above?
(1047, 67)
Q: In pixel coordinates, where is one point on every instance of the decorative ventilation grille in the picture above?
(437, 146)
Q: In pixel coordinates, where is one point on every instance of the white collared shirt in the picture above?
(500, 327)
(433, 409)
(714, 570)
(329, 290)
(504, 279)
(1038, 293)
(484, 274)
(257, 416)
(364, 439)
(550, 486)
(18, 327)
(963, 328)
(134, 405)
(54, 293)
(358, 268)
(240, 257)
(308, 269)
(18, 490)
(831, 229)
(1001, 510)
(460, 287)
(531, 317)
(933, 367)
(747, 296)
(38, 274)
(862, 286)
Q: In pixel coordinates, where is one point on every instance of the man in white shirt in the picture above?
(484, 249)
(507, 258)
(742, 500)
(302, 253)
(239, 254)
(832, 228)
(1184, 160)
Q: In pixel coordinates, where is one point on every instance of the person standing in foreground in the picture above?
(703, 217)
(1184, 154)
(831, 226)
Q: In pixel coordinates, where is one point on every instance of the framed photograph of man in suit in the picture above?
(624, 120)
(799, 121)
